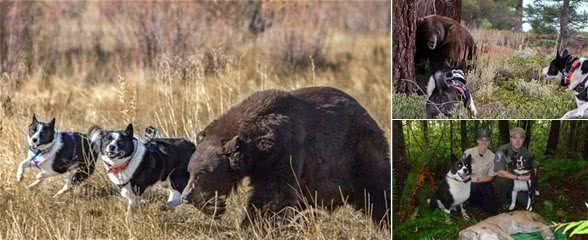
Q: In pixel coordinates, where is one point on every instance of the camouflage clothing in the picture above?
(504, 156)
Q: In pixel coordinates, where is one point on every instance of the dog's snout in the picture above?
(110, 148)
(35, 140)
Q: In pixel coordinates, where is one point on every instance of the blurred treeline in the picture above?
(86, 39)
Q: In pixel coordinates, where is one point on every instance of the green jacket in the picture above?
(505, 155)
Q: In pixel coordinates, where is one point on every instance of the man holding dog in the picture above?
(505, 175)
(482, 191)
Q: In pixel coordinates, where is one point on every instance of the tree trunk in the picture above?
(451, 136)
(449, 8)
(464, 135)
(425, 128)
(528, 127)
(404, 47)
(572, 137)
(563, 26)
(553, 137)
(400, 165)
(586, 141)
(503, 131)
(519, 15)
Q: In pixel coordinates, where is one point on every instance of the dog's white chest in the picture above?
(44, 162)
(520, 186)
(459, 190)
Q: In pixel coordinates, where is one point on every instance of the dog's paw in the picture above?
(465, 217)
(511, 207)
(19, 175)
(448, 219)
(536, 193)
(474, 112)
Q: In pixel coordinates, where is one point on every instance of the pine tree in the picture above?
(544, 16)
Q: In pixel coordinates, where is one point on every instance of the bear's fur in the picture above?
(445, 42)
(315, 142)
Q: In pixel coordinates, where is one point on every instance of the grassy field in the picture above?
(506, 80)
(179, 94)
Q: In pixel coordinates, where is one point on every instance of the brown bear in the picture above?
(311, 147)
(445, 42)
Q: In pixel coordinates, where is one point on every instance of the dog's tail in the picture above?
(94, 135)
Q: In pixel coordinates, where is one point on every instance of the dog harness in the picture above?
(38, 152)
(566, 75)
(457, 82)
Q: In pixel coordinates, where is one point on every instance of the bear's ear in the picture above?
(233, 151)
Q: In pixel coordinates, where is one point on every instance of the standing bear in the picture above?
(444, 42)
(311, 147)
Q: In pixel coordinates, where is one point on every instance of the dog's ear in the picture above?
(35, 121)
(200, 136)
(233, 149)
(453, 158)
(468, 159)
(52, 123)
(129, 129)
(565, 53)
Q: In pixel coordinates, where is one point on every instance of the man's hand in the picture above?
(524, 178)
(475, 179)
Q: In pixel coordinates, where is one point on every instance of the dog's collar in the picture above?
(526, 174)
(566, 76)
(458, 179)
(119, 168)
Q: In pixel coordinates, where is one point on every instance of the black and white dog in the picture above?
(454, 189)
(56, 153)
(134, 166)
(523, 167)
(444, 89)
(573, 74)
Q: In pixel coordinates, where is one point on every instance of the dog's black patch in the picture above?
(585, 67)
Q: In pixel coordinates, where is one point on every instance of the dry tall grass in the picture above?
(179, 95)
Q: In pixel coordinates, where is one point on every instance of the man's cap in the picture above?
(482, 133)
